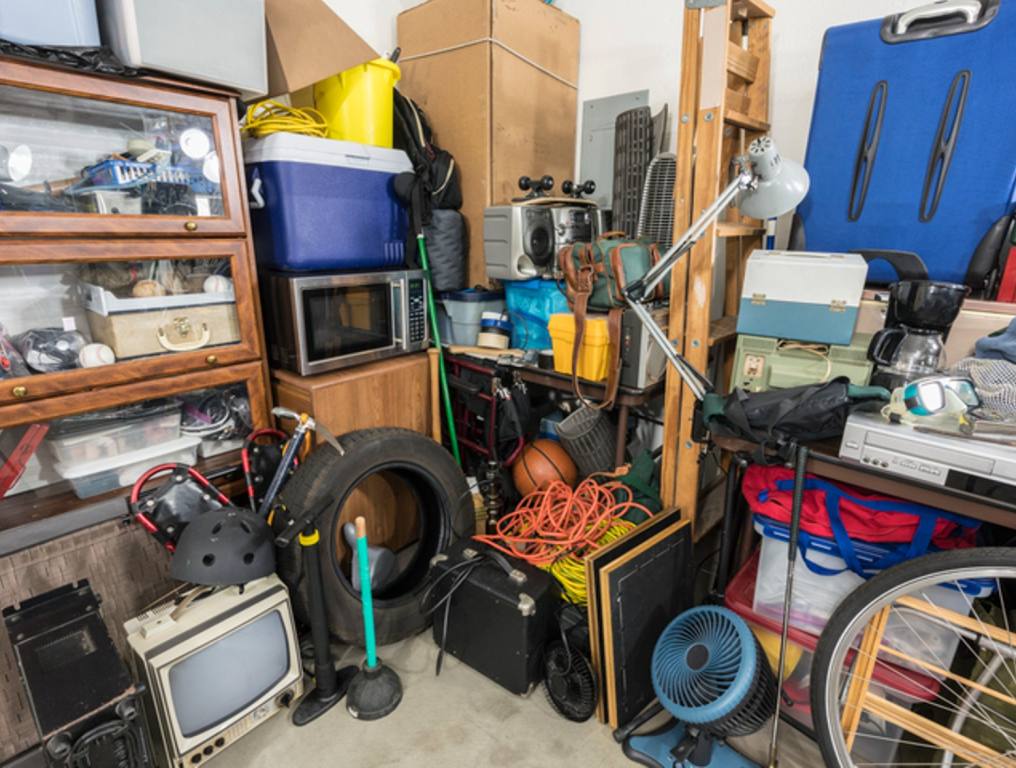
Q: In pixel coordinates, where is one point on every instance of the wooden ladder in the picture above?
(723, 107)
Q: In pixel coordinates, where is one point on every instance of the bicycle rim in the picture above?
(917, 667)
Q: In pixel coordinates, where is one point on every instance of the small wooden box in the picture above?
(182, 329)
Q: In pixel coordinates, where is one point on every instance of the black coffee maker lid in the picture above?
(925, 304)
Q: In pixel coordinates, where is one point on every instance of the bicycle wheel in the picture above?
(917, 666)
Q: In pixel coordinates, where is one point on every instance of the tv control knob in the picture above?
(285, 699)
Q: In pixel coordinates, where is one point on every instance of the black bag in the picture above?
(780, 417)
(433, 165)
(447, 248)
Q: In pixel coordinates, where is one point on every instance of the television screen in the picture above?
(223, 678)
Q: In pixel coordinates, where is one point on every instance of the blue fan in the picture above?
(710, 673)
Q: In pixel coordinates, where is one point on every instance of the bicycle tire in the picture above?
(854, 613)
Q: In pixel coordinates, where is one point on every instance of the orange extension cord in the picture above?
(557, 528)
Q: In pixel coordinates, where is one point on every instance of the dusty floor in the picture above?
(458, 719)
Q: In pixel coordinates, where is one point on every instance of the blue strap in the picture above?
(803, 545)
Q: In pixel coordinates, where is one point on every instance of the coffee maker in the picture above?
(912, 343)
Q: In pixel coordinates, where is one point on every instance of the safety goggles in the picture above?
(926, 397)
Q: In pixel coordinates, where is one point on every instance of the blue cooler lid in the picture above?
(471, 295)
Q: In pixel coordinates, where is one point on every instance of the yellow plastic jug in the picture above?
(357, 103)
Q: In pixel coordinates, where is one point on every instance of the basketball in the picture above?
(541, 463)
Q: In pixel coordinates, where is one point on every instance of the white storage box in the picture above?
(802, 296)
(93, 478)
(50, 22)
(817, 595)
(72, 445)
(103, 302)
(220, 42)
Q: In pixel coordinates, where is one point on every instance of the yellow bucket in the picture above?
(357, 103)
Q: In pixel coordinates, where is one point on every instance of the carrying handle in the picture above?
(257, 200)
(969, 9)
(184, 346)
(883, 345)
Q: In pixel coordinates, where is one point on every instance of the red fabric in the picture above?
(861, 522)
(1007, 289)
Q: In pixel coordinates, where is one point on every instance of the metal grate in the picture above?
(633, 149)
(656, 212)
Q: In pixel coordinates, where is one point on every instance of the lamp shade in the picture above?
(782, 184)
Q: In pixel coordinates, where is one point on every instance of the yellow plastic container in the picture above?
(594, 355)
(357, 103)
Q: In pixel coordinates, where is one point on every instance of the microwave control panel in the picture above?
(417, 313)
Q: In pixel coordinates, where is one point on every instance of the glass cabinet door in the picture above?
(98, 449)
(102, 164)
(120, 312)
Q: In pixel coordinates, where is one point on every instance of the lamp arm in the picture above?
(697, 383)
(639, 289)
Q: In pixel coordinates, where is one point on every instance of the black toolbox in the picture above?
(498, 616)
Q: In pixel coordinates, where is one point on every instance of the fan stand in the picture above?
(676, 745)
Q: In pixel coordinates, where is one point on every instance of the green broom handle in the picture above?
(365, 594)
(435, 334)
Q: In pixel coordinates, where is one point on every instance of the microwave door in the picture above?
(351, 323)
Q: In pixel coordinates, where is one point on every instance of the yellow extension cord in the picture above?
(269, 116)
(570, 569)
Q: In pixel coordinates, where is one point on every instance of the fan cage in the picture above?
(557, 658)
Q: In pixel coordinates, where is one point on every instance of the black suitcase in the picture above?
(494, 613)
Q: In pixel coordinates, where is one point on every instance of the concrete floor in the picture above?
(457, 719)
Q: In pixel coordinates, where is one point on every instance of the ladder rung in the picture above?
(733, 229)
(751, 9)
(738, 101)
(741, 63)
(741, 120)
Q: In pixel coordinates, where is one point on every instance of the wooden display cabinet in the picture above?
(122, 218)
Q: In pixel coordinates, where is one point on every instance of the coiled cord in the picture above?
(557, 528)
(269, 116)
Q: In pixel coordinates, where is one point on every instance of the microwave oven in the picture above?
(317, 322)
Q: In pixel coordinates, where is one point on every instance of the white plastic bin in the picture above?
(93, 478)
(816, 595)
(123, 436)
(221, 42)
(50, 22)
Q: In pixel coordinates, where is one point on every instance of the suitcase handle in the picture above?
(183, 329)
(969, 9)
(938, 19)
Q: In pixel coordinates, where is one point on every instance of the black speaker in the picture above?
(85, 705)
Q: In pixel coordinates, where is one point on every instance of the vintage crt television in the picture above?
(215, 668)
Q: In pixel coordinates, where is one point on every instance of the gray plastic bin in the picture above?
(459, 313)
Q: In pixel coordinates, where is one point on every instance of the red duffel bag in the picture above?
(844, 513)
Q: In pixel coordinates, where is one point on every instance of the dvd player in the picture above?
(975, 466)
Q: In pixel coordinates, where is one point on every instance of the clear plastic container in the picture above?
(93, 478)
(817, 595)
(72, 442)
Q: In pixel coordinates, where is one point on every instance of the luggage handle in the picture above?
(939, 19)
(969, 9)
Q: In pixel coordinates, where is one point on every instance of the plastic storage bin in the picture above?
(594, 355)
(93, 478)
(357, 104)
(459, 313)
(50, 22)
(816, 596)
(221, 42)
(74, 440)
(530, 305)
(320, 204)
(877, 740)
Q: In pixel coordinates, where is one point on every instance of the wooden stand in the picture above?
(724, 106)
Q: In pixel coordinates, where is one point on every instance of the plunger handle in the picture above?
(365, 596)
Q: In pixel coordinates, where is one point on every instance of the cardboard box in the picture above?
(498, 80)
(308, 42)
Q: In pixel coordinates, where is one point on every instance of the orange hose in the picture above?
(551, 523)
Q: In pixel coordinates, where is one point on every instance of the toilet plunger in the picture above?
(376, 690)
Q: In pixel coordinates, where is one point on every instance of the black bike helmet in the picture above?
(224, 547)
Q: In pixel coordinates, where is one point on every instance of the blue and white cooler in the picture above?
(802, 296)
(323, 204)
